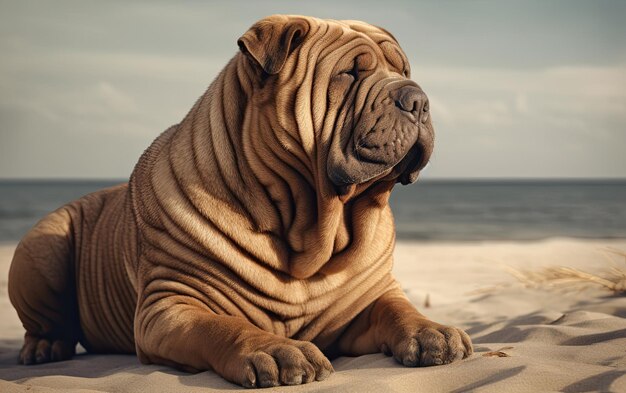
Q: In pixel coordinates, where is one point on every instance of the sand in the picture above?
(553, 341)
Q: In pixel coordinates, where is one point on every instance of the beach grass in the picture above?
(611, 278)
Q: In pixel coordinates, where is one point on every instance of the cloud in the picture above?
(564, 121)
(521, 103)
(29, 60)
(496, 97)
(114, 98)
(102, 92)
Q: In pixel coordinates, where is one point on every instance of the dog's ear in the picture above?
(270, 41)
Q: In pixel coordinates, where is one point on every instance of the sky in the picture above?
(526, 89)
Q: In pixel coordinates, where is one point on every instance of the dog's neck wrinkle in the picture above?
(227, 158)
(279, 163)
(296, 182)
(199, 156)
(229, 168)
(225, 101)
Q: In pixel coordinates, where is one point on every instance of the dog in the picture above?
(255, 237)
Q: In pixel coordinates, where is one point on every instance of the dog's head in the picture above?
(349, 83)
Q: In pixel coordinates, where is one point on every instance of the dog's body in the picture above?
(258, 225)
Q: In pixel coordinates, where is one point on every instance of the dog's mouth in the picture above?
(409, 167)
(404, 172)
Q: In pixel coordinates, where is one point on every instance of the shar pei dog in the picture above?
(255, 237)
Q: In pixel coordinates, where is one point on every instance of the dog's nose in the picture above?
(412, 99)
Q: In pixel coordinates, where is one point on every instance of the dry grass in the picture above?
(612, 279)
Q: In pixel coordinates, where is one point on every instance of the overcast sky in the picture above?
(517, 89)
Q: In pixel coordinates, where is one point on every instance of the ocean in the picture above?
(430, 210)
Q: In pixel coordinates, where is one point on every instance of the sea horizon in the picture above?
(431, 210)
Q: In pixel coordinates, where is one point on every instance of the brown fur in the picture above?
(249, 238)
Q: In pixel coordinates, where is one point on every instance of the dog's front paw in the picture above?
(425, 343)
(288, 362)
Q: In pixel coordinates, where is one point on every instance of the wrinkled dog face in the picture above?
(376, 120)
(386, 129)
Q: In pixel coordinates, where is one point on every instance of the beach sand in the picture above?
(555, 341)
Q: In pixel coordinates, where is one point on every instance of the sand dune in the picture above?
(525, 340)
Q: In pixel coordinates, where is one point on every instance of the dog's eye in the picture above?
(360, 65)
(352, 72)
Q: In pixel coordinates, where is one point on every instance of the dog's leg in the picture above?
(393, 326)
(43, 291)
(177, 331)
